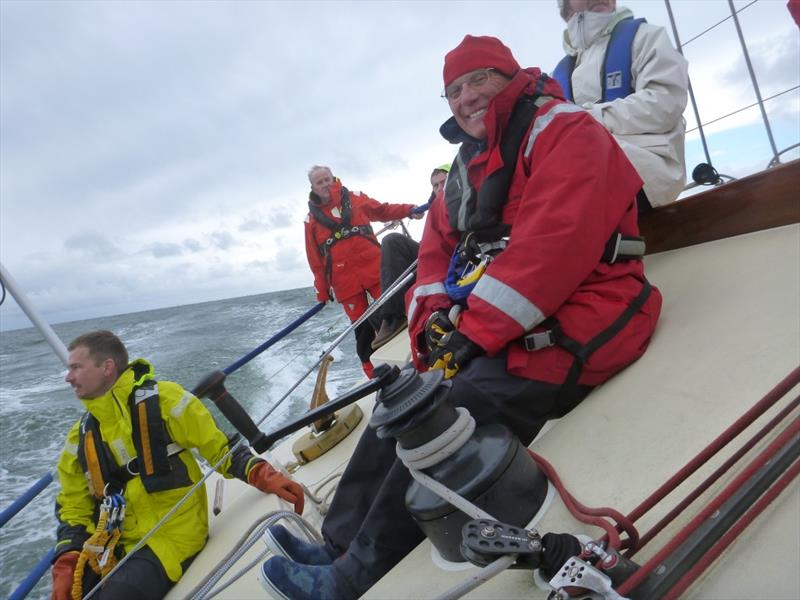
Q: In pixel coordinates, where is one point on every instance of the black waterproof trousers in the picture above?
(398, 251)
(368, 525)
(142, 577)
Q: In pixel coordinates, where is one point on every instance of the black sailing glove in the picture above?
(437, 325)
(453, 350)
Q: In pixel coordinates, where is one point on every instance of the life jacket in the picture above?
(617, 81)
(478, 216)
(340, 230)
(157, 462)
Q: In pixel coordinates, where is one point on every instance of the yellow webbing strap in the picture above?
(96, 480)
(147, 452)
(100, 546)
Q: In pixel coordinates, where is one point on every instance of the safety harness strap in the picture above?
(156, 461)
(622, 248)
(555, 336)
(617, 80)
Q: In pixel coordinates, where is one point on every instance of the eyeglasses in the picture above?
(476, 80)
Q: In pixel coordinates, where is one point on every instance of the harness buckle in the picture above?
(539, 340)
(132, 466)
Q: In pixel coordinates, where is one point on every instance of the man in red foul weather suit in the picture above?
(343, 252)
(530, 291)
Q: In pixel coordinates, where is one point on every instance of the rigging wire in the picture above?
(702, 33)
(791, 89)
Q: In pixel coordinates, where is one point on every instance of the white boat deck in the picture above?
(729, 332)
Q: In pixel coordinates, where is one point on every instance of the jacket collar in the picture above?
(336, 196)
(500, 108)
(113, 405)
(573, 47)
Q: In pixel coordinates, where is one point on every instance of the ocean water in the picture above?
(37, 407)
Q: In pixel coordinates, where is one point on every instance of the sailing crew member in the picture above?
(541, 188)
(626, 73)
(130, 454)
(398, 252)
(342, 250)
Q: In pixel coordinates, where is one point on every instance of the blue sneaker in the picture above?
(282, 543)
(285, 580)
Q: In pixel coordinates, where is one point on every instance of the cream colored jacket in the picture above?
(649, 123)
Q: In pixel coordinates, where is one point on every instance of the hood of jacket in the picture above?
(585, 28)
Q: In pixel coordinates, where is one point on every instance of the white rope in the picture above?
(441, 447)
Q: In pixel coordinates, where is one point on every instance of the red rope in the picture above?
(589, 515)
(715, 446)
(670, 516)
(730, 535)
(639, 576)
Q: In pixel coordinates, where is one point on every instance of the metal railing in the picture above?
(760, 101)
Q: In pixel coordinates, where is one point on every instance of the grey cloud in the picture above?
(192, 245)
(93, 245)
(289, 259)
(165, 249)
(222, 239)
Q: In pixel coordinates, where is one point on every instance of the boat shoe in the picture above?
(389, 328)
(286, 580)
(282, 543)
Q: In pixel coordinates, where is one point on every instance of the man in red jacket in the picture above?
(530, 291)
(343, 252)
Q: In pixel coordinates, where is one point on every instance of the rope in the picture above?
(717, 444)
(441, 447)
(769, 452)
(591, 516)
(724, 468)
(203, 589)
(726, 540)
(478, 579)
(98, 550)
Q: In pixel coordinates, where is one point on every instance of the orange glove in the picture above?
(63, 573)
(264, 477)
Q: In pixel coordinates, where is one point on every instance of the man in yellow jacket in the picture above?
(132, 448)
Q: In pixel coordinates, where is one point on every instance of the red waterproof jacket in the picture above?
(355, 261)
(571, 189)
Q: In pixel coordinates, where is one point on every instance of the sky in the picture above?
(155, 154)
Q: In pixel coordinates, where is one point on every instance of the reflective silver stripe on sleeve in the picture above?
(71, 449)
(543, 121)
(424, 290)
(509, 301)
(178, 409)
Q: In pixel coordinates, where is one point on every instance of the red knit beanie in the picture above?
(478, 52)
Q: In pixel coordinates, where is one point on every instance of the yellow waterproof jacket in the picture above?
(189, 424)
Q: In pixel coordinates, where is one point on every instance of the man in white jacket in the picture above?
(636, 86)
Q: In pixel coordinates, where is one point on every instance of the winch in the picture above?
(487, 465)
